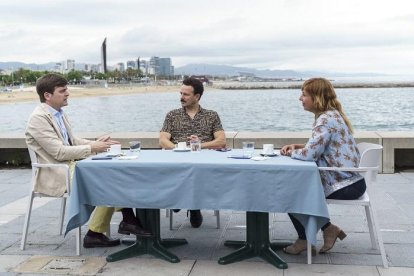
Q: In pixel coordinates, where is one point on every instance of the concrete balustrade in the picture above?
(398, 146)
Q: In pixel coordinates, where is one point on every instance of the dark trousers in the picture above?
(353, 191)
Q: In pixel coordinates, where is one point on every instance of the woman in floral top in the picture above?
(331, 145)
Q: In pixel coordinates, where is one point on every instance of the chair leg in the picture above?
(379, 237)
(62, 214)
(108, 231)
(78, 241)
(171, 219)
(217, 213)
(371, 227)
(309, 252)
(27, 221)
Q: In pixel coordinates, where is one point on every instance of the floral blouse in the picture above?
(331, 145)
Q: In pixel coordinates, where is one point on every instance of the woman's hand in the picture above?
(287, 150)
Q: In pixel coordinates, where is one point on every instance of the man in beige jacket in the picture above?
(50, 135)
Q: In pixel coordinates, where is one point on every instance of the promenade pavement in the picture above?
(48, 253)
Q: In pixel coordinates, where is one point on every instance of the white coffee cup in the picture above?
(114, 149)
(268, 149)
(182, 145)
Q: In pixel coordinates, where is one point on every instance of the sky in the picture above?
(348, 36)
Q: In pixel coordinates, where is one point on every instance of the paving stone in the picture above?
(202, 268)
(400, 254)
(398, 237)
(393, 187)
(403, 197)
(153, 267)
(39, 264)
(331, 270)
(392, 271)
(7, 240)
(408, 209)
(9, 274)
(393, 216)
(355, 259)
(7, 262)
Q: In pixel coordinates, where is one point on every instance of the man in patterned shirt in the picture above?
(192, 122)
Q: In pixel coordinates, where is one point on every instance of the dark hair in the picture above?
(48, 83)
(196, 84)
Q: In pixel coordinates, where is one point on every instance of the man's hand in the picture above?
(100, 146)
(193, 138)
(107, 139)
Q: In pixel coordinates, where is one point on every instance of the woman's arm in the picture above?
(287, 150)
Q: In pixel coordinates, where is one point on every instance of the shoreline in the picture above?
(263, 86)
(29, 93)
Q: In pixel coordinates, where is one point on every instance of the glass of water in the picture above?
(195, 146)
(135, 147)
(248, 148)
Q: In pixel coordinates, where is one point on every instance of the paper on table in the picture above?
(127, 157)
(259, 158)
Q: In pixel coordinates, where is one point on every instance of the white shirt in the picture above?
(59, 118)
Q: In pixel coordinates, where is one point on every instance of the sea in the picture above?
(369, 109)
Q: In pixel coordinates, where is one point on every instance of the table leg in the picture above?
(257, 243)
(150, 219)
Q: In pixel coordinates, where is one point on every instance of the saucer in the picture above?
(269, 155)
(110, 154)
(181, 150)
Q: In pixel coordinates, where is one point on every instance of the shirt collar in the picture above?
(200, 109)
(55, 112)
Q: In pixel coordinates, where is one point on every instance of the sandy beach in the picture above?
(29, 93)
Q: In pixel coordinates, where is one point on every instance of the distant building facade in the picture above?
(154, 66)
(165, 67)
(132, 64)
(120, 66)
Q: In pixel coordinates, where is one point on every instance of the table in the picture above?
(161, 179)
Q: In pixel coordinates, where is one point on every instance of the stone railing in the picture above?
(398, 145)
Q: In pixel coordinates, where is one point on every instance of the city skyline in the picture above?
(320, 35)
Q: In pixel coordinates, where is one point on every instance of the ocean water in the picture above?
(372, 109)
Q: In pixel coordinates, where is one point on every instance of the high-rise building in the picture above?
(70, 65)
(103, 57)
(120, 66)
(165, 67)
(143, 65)
(154, 66)
(132, 64)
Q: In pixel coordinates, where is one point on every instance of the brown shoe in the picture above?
(126, 229)
(298, 247)
(329, 237)
(102, 241)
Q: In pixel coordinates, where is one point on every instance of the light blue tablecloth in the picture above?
(162, 179)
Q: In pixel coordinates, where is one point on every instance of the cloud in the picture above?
(371, 36)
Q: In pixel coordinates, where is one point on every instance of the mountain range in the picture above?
(208, 69)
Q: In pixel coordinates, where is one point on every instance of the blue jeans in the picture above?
(350, 192)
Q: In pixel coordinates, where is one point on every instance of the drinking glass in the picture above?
(248, 148)
(195, 146)
(135, 147)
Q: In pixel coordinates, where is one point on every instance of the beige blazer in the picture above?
(44, 137)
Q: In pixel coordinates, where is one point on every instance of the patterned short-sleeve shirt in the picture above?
(180, 125)
(332, 145)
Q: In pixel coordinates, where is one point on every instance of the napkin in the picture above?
(127, 157)
(259, 158)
